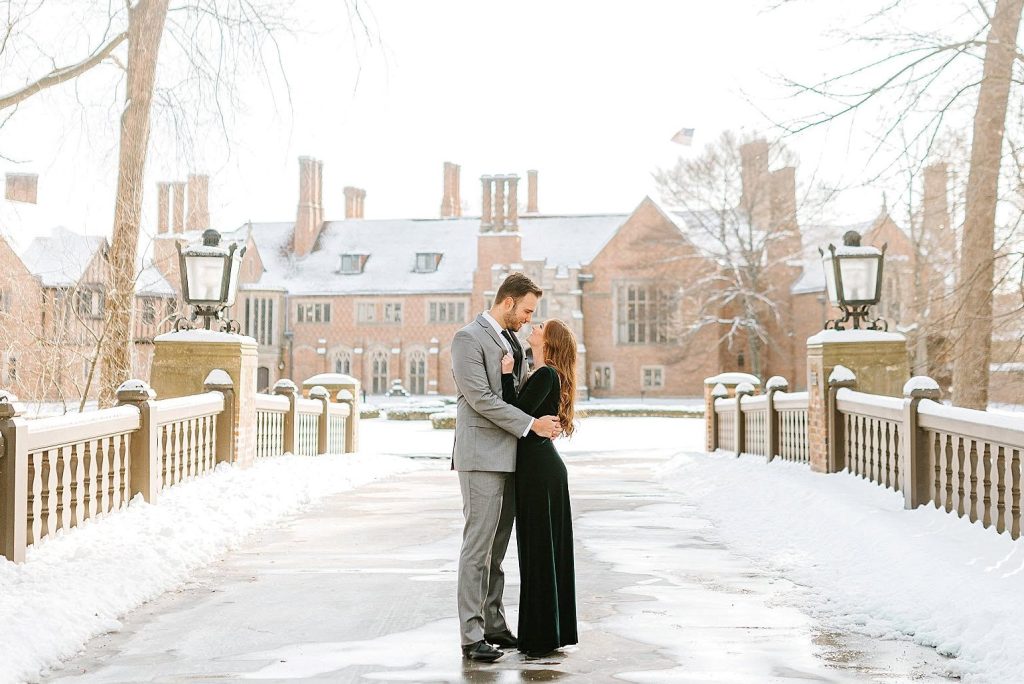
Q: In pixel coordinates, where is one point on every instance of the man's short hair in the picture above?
(517, 286)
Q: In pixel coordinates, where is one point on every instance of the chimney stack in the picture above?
(451, 202)
(178, 222)
(785, 243)
(22, 187)
(354, 199)
(198, 202)
(500, 213)
(935, 223)
(163, 208)
(531, 191)
(756, 198)
(310, 217)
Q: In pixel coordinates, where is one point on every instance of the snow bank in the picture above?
(77, 585)
(866, 564)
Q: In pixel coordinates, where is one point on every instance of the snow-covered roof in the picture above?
(392, 246)
(812, 277)
(152, 283)
(19, 221)
(61, 258)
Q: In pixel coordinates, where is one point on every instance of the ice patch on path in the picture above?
(868, 565)
(78, 584)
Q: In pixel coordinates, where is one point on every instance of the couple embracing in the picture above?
(510, 472)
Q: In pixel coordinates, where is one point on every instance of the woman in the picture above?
(547, 594)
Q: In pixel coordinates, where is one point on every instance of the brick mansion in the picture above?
(382, 299)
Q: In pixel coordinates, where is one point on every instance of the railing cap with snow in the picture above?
(719, 391)
(133, 391)
(10, 407)
(285, 386)
(732, 379)
(922, 387)
(345, 395)
(841, 376)
(777, 383)
(744, 388)
(320, 392)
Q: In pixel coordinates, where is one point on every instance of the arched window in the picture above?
(379, 372)
(342, 361)
(417, 381)
(262, 379)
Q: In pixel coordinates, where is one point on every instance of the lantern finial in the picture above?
(851, 238)
(211, 238)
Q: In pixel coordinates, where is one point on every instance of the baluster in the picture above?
(51, 498)
(64, 486)
(175, 453)
(1001, 489)
(986, 486)
(36, 521)
(126, 467)
(1015, 494)
(947, 481)
(934, 465)
(972, 482)
(189, 442)
(958, 483)
(887, 456)
(90, 480)
(103, 455)
(161, 451)
(115, 470)
(78, 492)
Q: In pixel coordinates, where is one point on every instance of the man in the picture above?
(486, 434)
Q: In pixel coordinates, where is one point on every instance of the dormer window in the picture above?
(352, 264)
(426, 262)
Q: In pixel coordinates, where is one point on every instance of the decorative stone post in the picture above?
(320, 393)
(775, 384)
(145, 461)
(878, 360)
(336, 384)
(840, 378)
(711, 416)
(744, 389)
(913, 446)
(219, 381)
(728, 381)
(13, 480)
(286, 388)
(182, 362)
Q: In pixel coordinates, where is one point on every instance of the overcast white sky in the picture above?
(588, 93)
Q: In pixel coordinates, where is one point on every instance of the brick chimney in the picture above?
(354, 198)
(784, 243)
(451, 202)
(178, 197)
(163, 208)
(22, 187)
(198, 202)
(310, 217)
(935, 226)
(500, 213)
(531, 191)
(756, 198)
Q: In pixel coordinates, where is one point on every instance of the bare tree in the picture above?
(743, 217)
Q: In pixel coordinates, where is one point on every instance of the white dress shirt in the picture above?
(504, 343)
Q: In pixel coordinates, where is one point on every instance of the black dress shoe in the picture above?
(536, 655)
(504, 639)
(481, 651)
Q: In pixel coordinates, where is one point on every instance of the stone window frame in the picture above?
(340, 357)
(652, 372)
(650, 331)
(149, 311)
(89, 301)
(364, 307)
(427, 262)
(603, 375)
(434, 310)
(412, 383)
(380, 367)
(313, 312)
(352, 263)
(259, 319)
(392, 312)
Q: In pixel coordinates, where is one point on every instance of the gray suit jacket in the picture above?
(486, 428)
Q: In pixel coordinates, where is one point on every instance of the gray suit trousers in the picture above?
(488, 503)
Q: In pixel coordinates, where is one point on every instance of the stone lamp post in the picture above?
(853, 279)
(209, 280)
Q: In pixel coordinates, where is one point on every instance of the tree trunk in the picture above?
(974, 315)
(145, 30)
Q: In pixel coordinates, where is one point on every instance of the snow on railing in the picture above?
(869, 436)
(186, 433)
(772, 425)
(270, 414)
(792, 421)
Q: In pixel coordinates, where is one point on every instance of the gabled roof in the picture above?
(392, 245)
(150, 282)
(61, 258)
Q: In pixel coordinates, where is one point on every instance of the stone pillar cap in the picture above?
(319, 392)
(841, 375)
(744, 388)
(732, 379)
(345, 395)
(329, 379)
(10, 407)
(135, 390)
(218, 378)
(923, 387)
(719, 391)
(285, 386)
(777, 382)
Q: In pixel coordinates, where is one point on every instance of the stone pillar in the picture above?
(320, 393)
(711, 416)
(486, 220)
(219, 381)
(163, 207)
(336, 384)
(513, 203)
(913, 445)
(774, 385)
(145, 466)
(182, 362)
(178, 222)
(433, 366)
(531, 191)
(286, 388)
(13, 479)
(499, 204)
(744, 389)
(879, 361)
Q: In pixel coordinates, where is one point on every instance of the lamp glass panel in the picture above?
(205, 277)
(830, 280)
(860, 278)
(233, 283)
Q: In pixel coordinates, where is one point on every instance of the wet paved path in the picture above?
(362, 589)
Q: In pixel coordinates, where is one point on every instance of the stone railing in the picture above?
(963, 461)
(55, 473)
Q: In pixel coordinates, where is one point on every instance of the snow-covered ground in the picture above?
(77, 585)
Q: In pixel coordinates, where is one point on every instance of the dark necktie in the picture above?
(517, 351)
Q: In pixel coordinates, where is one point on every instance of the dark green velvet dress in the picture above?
(547, 593)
